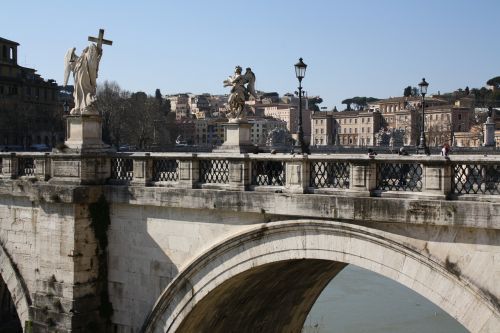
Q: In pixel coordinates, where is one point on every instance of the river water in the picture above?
(359, 301)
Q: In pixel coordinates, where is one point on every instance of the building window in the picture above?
(459, 116)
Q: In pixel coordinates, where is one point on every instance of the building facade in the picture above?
(30, 111)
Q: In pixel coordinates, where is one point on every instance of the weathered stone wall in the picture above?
(53, 251)
(455, 268)
(148, 246)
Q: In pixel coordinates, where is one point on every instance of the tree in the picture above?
(158, 96)
(313, 103)
(111, 103)
(348, 103)
(407, 92)
(134, 119)
(359, 103)
(494, 82)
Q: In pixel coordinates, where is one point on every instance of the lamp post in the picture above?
(66, 107)
(422, 147)
(300, 72)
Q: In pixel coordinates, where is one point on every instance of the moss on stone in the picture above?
(100, 221)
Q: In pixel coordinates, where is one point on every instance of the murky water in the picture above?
(359, 301)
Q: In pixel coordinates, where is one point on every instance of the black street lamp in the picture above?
(422, 147)
(300, 72)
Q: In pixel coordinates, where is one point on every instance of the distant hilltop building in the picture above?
(30, 112)
(397, 120)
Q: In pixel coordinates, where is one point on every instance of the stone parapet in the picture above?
(435, 177)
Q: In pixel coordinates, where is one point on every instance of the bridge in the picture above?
(183, 242)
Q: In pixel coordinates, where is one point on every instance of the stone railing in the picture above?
(381, 175)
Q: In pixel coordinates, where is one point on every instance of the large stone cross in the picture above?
(100, 40)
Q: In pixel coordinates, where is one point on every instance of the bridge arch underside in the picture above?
(267, 279)
(14, 299)
(9, 320)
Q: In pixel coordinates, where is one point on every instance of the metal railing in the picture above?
(165, 170)
(26, 166)
(214, 171)
(399, 177)
(122, 169)
(326, 174)
(476, 179)
(268, 172)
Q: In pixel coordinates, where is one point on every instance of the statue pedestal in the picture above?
(237, 138)
(84, 132)
(489, 133)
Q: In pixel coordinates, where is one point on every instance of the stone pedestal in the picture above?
(237, 138)
(489, 133)
(84, 132)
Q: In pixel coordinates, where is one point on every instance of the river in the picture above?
(359, 301)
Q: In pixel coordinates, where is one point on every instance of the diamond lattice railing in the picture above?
(399, 177)
(476, 179)
(214, 171)
(330, 174)
(122, 169)
(165, 170)
(268, 173)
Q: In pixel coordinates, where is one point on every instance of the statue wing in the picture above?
(250, 78)
(67, 64)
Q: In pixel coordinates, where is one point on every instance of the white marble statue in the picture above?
(85, 71)
(239, 92)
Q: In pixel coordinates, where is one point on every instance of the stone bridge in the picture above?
(163, 242)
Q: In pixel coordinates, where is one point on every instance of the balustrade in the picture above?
(359, 174)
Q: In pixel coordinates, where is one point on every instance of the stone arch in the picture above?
(15, 284)
(319, 249)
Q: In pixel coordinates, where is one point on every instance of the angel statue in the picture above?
(84, 68)
(240, 93)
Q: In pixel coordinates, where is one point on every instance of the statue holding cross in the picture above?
(85, 70)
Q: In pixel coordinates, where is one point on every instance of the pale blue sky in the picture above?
(352, 48)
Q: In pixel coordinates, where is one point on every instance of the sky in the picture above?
(352, 48)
